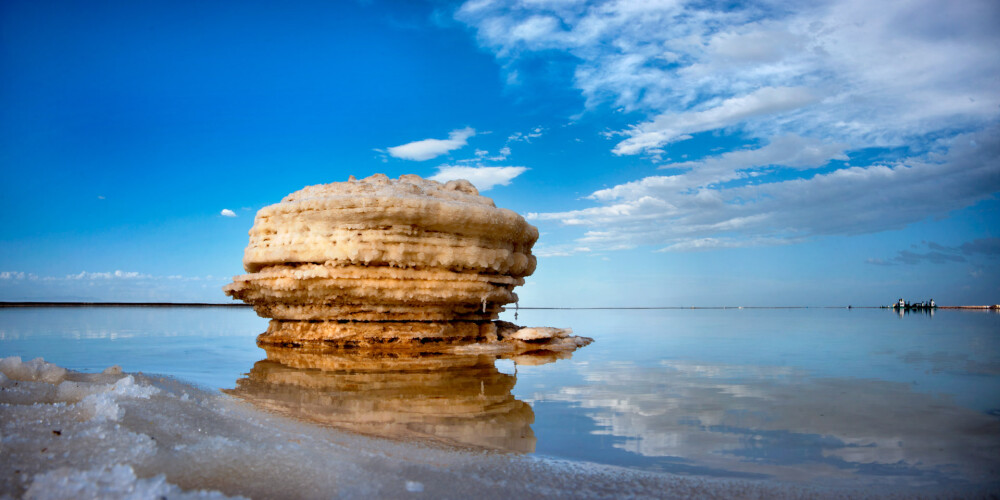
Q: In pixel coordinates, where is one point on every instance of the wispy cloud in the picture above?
(484, 178)
(16, 275)
(684, 209)
(789, 152)
(525, 136)
(484, 155)
(670, 127)
(934, 253)
(227, 213)
(809, 83)
(885, 70)
(117, 275)
(544, 251)
(111, 275)
(432, 148)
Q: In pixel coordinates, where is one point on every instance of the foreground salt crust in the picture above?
(114, 435)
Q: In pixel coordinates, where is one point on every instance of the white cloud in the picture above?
(432, 148)
(484, 178)
(227, 213)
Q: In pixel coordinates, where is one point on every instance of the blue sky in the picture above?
(671, 153)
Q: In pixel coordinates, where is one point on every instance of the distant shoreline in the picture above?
(119, 304)
(240, 304)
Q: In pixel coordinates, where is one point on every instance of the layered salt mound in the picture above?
(380, 249)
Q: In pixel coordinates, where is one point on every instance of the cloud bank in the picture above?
(687, 212)
(109, 286)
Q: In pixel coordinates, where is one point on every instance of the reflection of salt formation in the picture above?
(383, 250)
(764, 419)
(455, 399)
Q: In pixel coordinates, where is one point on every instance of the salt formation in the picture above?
(387, 262)
(458, 400)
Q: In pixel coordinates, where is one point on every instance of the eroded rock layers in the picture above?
(380, 249)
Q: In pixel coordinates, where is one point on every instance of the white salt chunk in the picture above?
(34, 370)
(114, 482)
(541, 332)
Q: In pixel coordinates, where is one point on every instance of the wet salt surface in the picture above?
(691, 402)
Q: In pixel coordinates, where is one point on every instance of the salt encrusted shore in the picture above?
(115, 435)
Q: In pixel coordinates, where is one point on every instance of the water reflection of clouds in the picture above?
(76, 334)
(779, 422)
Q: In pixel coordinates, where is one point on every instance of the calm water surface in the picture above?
(800, 395)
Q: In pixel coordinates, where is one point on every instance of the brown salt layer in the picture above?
(369, 293)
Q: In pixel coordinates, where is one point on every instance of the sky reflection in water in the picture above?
(817, 395)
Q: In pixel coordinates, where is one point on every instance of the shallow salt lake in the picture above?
(817, 397)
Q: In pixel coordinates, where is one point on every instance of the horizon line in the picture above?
(11, 304)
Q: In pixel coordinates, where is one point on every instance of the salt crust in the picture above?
(175, 440)
(114, 482)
